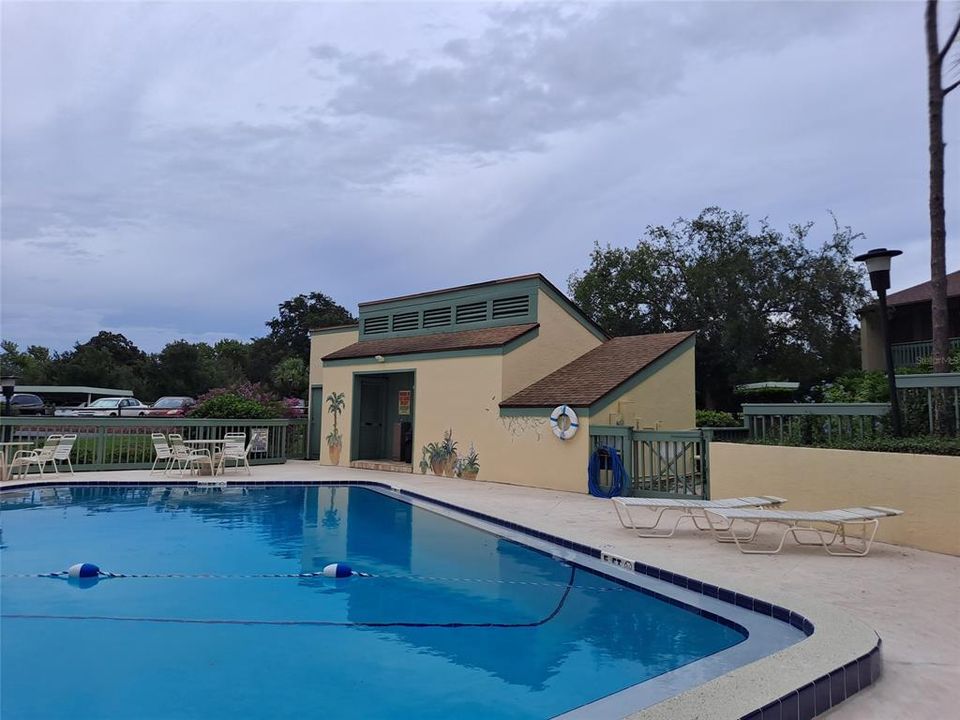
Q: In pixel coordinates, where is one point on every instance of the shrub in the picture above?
(242, 401)
(857, 387)
(922, 445)
(715, 418)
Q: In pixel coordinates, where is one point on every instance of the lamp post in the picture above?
(878, 265)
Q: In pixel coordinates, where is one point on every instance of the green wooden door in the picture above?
(373, 411)
(316, 421)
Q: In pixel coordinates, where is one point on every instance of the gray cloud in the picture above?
(183, 168)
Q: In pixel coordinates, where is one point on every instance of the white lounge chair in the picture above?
(23, 459)
(185, 458)
(798, 522)
(237, 449)
(63, 450)
(163, 451)
(689, 509)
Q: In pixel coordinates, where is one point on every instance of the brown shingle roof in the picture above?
(595, 373)
(922, 292)
(438, 342)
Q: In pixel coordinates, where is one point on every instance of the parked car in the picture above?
(27, 404)
(112, 407)
(172, 406)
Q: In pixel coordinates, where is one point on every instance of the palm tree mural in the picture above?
(335, 405)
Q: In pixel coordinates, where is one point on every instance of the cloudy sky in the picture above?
(178, 169)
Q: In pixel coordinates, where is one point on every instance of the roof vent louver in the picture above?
(471, 313)
(437, 317)
(406, 321)
(376, 325)
(511, 307)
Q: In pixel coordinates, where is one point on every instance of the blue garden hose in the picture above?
(593, 472)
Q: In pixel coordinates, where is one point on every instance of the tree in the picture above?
(290, 330)
(33, 367)
(105, 360)
(765, 306)
(289, 377)
(938, 224)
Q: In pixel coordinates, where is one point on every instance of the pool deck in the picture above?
(910, 597)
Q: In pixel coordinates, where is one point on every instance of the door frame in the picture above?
(310, 416)
(355, 406)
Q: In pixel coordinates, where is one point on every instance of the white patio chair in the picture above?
(185, 458)
(163, 451)
(689, 510)
(237, 449)
(23, 459)
(800, 522)
(63, 450)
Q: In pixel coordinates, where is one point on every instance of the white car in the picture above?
(113, 407)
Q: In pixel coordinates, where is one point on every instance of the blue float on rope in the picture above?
(606, 458)
(83, 570)
(337, 570)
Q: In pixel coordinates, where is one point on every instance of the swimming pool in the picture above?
(455, 620)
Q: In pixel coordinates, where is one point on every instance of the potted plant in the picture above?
(449, 447)
(469, 466)
(335, 405)
(433, 455)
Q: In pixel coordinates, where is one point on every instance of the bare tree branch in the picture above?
(951, 87)
(953, 36)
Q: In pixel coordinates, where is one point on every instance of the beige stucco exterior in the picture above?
(463, 394)
(561, 338)
(324, 342)
(925, 487)
(664, 401)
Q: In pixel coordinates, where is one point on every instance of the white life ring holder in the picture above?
(571, 429)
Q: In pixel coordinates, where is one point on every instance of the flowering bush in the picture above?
(244, 400)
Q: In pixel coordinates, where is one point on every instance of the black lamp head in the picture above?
(878, 265)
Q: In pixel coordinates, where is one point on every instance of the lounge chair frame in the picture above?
(692, 510)
(828, 527)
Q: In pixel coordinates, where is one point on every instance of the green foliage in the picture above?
(858, 386)
(716, 418)
(922, 445)
(279, 360)
(289, 377)
(763, 302)
(290, 330)
(246, 400)
(231, 405)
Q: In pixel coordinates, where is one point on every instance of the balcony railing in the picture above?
(911, 353)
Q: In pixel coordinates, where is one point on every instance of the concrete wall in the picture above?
(665, 401)
(324, 343)
(925, 487)
(561, 339)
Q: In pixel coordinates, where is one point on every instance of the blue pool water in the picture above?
(455, 622)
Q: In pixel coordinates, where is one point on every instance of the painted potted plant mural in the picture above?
(469, 465)
(335, 405)
(449, 446)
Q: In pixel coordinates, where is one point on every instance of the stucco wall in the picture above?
(324, 343)
(925, 487)
(463, 394)
(560, 339)
(666, 400)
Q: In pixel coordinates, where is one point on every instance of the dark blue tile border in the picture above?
(803, 703)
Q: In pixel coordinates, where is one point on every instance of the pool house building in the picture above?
(501, 379)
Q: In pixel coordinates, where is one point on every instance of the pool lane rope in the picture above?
(301, 623)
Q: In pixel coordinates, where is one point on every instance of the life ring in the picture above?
(572, 425)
